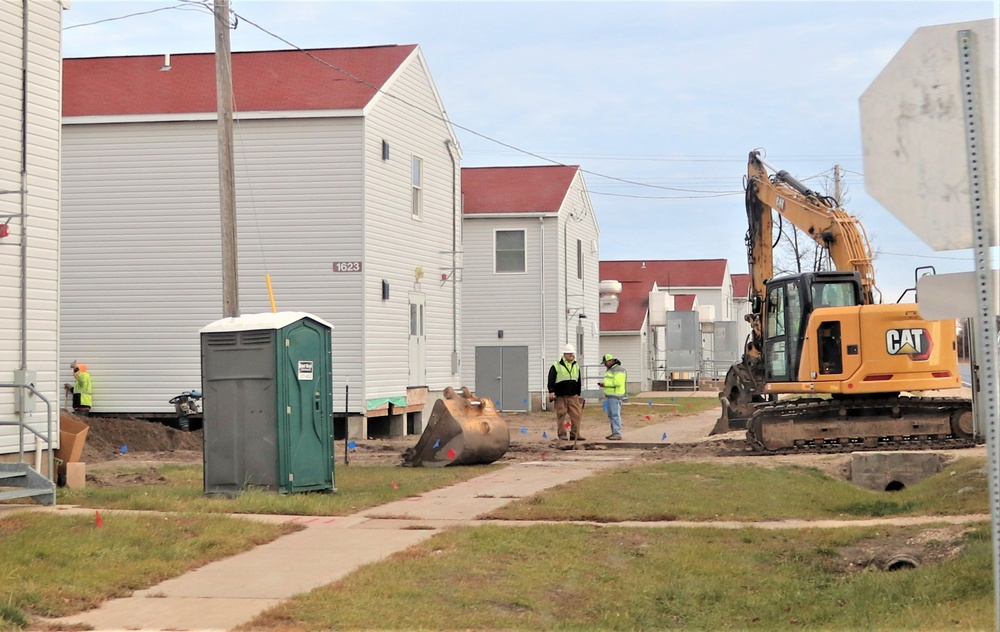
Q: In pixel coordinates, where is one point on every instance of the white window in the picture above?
(509, 248)
(417, 210)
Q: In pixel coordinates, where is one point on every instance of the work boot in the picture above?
(614, 437)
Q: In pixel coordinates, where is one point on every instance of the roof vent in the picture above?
(609, 291)
(166, 62)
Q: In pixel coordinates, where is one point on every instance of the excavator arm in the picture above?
(816, 215)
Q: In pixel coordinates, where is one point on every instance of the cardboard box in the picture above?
(72, 435)
(76, 475)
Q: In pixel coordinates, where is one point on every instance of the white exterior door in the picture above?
(418, 340)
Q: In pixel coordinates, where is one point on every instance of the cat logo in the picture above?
(915, 343)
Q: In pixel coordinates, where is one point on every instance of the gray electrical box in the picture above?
(267, 386)
(24, 400)
(683, 341)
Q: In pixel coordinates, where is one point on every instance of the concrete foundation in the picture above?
(892, 471)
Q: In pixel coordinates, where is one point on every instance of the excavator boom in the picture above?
(816, 215)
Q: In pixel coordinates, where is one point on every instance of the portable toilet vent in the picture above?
(267, 386)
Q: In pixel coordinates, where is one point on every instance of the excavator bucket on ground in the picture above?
(463, 430)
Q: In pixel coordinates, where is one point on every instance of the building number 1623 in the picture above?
(347, 266)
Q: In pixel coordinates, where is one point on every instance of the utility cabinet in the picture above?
(267, 391)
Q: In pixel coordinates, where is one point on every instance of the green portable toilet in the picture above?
(267, 386)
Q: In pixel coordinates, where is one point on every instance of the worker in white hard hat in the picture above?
(564, 391)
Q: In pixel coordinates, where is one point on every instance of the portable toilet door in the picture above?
(305, 407)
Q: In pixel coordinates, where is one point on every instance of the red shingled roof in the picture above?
(633, 303)
(741, 286)
(263, 81)
(539, 189)
(637, 278)
(684, 302)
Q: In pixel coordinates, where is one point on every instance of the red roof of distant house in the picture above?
(637, 278)
(668, 273)
(540, 189)
(263, 81)
(633, 303)
(741, 286)
(684, 302)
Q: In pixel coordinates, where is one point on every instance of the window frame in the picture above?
(523, 251)
(417, 188)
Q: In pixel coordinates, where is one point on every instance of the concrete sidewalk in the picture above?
(233, 591)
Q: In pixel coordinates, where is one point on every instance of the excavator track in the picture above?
(853, 424)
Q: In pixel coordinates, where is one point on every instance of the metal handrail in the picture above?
(48, 427)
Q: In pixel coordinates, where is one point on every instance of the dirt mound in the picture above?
(110, 437)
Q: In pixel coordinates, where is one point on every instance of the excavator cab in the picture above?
(789, 303)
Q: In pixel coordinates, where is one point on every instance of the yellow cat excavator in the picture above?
(853, 365)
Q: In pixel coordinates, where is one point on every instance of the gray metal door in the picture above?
(489, 369)
(683, 341)
(726, 346)
(502, 376)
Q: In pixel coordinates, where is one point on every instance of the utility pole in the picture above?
(227, 180)
(836, 183)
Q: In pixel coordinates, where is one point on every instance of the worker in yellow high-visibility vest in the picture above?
(614, 393)
(564, 390)
(83, 395)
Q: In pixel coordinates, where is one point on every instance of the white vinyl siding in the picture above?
(410, 254)
(579, 296)
(142, 244)
(632, 351)
(37, 323)
(513, 303)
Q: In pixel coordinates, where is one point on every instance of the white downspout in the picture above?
(541, 304)
(454, 262)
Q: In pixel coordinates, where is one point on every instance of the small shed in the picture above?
(268, 403)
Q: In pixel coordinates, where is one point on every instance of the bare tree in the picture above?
(796, 253)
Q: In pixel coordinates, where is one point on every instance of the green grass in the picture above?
(709, 491)
(564, 577)
(58, 564)
(358, 488)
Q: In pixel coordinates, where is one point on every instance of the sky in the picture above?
(658, 102)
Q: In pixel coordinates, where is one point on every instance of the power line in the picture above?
(202, 5)
(900, 254)
(669, 197)
(450, 122)
(183, 5)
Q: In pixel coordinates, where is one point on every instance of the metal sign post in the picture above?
(985, 318)
(933, 103)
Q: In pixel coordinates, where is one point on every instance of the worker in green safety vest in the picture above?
(83, 396)
(614, 393)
